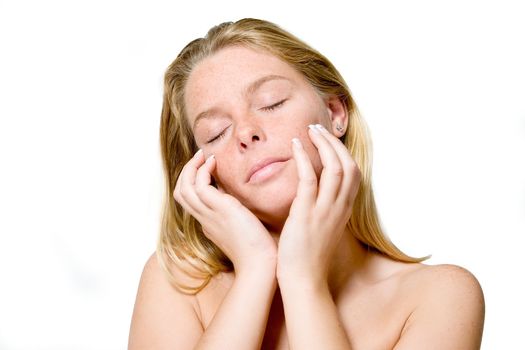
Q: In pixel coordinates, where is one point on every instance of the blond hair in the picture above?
(181, 240)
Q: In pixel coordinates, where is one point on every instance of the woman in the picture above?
(270, 236)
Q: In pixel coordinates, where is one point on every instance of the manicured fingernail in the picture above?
(320, 127)
(313, 128)
(296, 142)
(210, 157)
(198, 153)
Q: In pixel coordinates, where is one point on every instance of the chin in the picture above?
(272, 203)
(275, 212)
(271, 200)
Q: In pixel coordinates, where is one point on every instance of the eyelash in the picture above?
(269, 108)
(272, 107)
(220, 136)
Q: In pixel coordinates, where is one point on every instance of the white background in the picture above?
(441, 85)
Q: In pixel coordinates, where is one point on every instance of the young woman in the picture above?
(270, 236)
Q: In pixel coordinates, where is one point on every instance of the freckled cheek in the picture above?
(310, 149)
(313, 154)
(224, 172)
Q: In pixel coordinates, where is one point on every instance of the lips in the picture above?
(262, 163)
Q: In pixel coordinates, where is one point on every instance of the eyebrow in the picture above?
(249, 90)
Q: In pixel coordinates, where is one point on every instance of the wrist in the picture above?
(261, 267)
(301, 279)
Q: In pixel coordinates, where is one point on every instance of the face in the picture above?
(245, 106)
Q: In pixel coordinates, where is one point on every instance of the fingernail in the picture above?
(320, 127)
(296, 142)
(313, 128)
(198, 152)
(210, 157)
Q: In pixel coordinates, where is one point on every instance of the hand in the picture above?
(225, 221)
(318, 216)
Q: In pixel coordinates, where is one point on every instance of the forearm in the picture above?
(312, 320)
(240, 321)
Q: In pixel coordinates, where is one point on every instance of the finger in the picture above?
(203, 175)
(332, 174)
(307, 186)
(181, 200)
(197, 160)
(208, 194)
(350, 168)
(186, 189)
(176, 191)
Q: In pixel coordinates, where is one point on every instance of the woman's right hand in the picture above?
(224, 220)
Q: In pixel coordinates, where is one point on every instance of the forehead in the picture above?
(224, 76)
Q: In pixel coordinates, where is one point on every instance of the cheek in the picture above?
(313, 154)
(318, 117)
(311, 109)
(309, 147)
(225, 175)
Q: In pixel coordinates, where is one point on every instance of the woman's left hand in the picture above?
(318, 214)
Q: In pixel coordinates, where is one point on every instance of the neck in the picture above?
(350, 263)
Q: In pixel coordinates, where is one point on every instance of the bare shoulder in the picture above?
(449, 282)
(446, 278)
(446, 285)
(153, 272)
(163, 316)
(449, 308)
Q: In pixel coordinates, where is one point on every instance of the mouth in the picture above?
(265, 168)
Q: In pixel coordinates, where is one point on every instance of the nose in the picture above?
(248, 135)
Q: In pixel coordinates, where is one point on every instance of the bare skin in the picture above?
(377, 312)
(301, 280)
(374, 313)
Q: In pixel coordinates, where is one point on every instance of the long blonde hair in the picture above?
(181, 240)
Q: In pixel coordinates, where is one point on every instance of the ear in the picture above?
(338, 115)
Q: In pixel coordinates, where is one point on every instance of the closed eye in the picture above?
(268, 108)
(219, 136)
(272, 107)
(216, 137)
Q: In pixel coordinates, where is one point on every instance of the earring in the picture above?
(339, 127)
